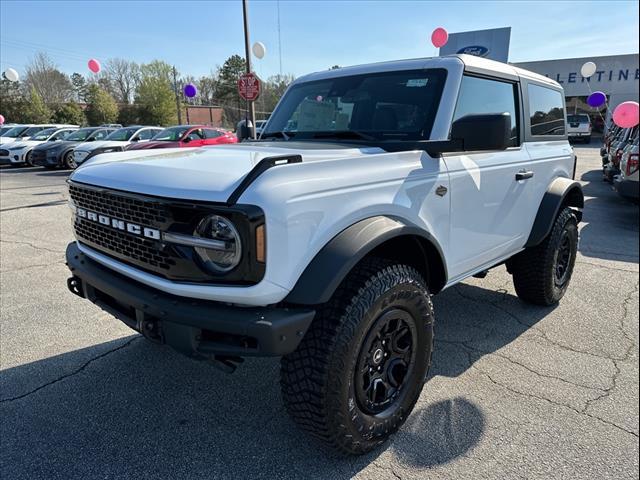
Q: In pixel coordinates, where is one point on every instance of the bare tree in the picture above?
(124, 77)
(51, 84)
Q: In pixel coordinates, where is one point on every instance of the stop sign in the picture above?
(249, 87)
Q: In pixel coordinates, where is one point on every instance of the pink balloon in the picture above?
(1, 119)
(626, 115)
(439, 37)
(94, 65)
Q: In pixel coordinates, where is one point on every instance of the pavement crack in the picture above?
(28, 267)
(35, 205)
(71, 374)
(606, 267)
(32, 245)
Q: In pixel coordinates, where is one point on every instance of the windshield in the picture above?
(43, 134)
(29, 132)
(122, 134)
(172, 134)
(578, 118)
(14, 132)
(80, 135)
(386, 105)
(3, 130)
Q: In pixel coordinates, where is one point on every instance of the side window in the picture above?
(481, 95)
(101, 134)
(146, 134)
(211, 133)
(546, 107)
(196, 135)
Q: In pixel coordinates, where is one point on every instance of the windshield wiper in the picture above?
(283, 135)
(345, 134)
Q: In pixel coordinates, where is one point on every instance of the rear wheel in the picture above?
(541, 274)
(68, 161)
(360, 368)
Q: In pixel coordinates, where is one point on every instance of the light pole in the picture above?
(247, 52)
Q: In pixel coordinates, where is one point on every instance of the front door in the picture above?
(490, 191)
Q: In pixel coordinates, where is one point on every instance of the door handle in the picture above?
(523, 175)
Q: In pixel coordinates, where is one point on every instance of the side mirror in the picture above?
(481, 132)
(186, 140)
(135, 139)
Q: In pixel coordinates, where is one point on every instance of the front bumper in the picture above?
(12, 158)
(42, 159)
(627, 188)
(197, 328)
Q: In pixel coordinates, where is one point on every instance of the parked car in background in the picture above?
(579, 127)
(60, 154)
(614, 155)
(626, 182)
(25, 132)
(115, 142)
(19, 152)
(260, 126)
(12, 133)
(186, 136)
(111, 125)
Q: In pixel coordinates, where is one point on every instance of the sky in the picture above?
(196, 36)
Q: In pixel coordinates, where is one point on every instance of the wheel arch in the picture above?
(561, 193)
(383, 236)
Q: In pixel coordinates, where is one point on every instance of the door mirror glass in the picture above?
(483, 132)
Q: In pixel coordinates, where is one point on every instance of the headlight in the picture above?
(216, 227)
(16, 148)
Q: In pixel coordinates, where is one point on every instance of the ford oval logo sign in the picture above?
(477, 50)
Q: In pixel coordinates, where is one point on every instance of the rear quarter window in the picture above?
(546, 110)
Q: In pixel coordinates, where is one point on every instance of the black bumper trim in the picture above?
(197, 328)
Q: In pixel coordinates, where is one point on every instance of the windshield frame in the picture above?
(15, 132)
(437, 75)
(46, 134)
(185, 131)
(133, 130)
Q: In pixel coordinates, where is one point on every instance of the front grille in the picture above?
(122, 207)
(171, 261)
(132, 247)
(4, 153)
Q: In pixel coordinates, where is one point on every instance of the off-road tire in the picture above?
(535, 269)
(318, 380)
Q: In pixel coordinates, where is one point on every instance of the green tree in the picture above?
(12, 101)
(35, 110)
(227, 94)
(68, 113)
(128, 115)
(101, 107)
(155, 102)
(79, 87)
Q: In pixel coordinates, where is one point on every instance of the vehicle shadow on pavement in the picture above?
(608, 216)
(55, 173)
(128, 408)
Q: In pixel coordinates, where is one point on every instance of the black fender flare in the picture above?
(337, 258)
(562, 192)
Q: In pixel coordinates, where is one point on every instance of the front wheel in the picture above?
(27, 160)
(68, 161)
(360, 368)
(541, 274)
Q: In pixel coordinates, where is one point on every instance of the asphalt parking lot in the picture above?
(515, 391)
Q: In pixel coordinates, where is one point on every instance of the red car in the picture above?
(186, 136)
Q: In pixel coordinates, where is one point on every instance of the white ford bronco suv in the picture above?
(371, 188)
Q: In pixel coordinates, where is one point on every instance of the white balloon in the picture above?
(588, 69)
(259, 49)
(11, 75)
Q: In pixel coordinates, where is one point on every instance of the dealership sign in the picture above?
(477, 50)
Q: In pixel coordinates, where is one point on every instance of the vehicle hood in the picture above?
(60, 145)
(89, 146)
(205, 173)
(151, 144)
(22, 144)
(5, 140)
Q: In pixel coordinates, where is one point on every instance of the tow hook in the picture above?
(74, 284)
(151, 329)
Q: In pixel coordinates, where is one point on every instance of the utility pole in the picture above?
(247, 52)
(175, 89)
